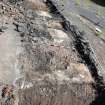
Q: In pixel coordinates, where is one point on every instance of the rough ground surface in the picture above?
(88, 10)
(45, 59)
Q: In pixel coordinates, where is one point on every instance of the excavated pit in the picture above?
(48, 89)
(57, 65)
(87, 56)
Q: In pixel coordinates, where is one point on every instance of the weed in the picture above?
(77, 2)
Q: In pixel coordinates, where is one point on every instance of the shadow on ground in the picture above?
(99, 2)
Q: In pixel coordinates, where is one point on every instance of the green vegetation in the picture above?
(87, 3)
(77, 2)
(98, 11)
(103, 30)
(98, 33)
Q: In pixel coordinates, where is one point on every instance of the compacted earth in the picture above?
(44, 59)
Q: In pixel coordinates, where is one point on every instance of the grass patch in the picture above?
(98, 33)
(77, 2)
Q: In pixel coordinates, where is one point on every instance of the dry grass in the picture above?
(48, 94)
(36, 5)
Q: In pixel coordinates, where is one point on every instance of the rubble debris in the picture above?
(7, 95)
(56, 65)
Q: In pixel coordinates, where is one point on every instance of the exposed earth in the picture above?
(52, 52)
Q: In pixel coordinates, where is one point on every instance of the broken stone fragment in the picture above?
(19, 27)
(44, 14)
(59, 36)
(81, 73)
(30, 14)
(54, 24)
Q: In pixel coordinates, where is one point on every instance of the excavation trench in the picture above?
(54, 73)
(51, 88)
(86, 54)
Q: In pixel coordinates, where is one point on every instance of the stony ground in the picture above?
(84, 15)
(45, 60)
